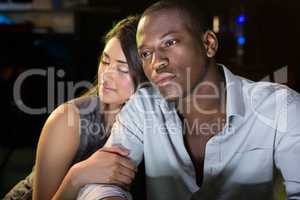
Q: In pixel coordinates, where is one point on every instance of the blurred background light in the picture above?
(6, 20)
(241, 19)
(241, 40)
(216, 24)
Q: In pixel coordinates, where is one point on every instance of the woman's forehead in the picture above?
(114, 50)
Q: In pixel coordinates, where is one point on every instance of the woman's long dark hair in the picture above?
(125, 31)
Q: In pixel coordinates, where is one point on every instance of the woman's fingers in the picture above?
(115, 168)
(108, 165)
(116, 149)
(121, 179)
(127, 172)
(125, 162)
(115, 152)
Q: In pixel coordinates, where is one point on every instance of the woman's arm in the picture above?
(128, 132)
(57, 147)
(107, 165)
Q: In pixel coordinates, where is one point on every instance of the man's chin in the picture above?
(170, 95)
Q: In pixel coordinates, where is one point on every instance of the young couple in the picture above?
(197, 122)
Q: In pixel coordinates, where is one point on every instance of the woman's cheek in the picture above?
(127, 85)
(100, 75)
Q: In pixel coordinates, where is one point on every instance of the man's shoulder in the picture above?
(149, 91)
(264, 90)
(268, 97)
(142, 105)
(144, 100)
(147, 96)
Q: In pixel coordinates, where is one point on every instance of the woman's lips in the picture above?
(106, 87)
(164, 79)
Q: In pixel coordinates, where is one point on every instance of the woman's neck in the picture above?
(109, 112)
(110, 108)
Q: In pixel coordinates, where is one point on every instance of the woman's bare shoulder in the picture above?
(62, 126)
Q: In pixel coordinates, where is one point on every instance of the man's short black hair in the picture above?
(196, 18)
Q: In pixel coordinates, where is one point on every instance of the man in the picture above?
(204, 122)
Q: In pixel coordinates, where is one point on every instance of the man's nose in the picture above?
(160, 61)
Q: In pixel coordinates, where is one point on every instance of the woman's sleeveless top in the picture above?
(92, 137)
(92, 130)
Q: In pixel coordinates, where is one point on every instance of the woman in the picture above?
(67, 155)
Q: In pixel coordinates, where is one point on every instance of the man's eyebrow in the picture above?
(140, 47)
(164, 35)
(168, 33)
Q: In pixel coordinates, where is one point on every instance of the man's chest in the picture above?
(197, 132)
(184, 153)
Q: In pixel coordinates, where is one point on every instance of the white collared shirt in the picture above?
(262, 132)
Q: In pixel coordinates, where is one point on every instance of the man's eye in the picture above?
(169, 43)
(145, 54)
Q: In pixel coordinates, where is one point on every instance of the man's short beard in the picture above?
(200, 80)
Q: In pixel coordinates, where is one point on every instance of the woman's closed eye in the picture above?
(123, 69)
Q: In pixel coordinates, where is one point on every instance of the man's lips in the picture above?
(163, 79)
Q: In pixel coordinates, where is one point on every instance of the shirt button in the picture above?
(212, 171)
(214, 140)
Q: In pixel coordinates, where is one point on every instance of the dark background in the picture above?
(271, 29)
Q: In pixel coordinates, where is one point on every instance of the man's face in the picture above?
(173, 59)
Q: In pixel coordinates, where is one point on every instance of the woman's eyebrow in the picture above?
(102, 55)
(119, 61)
(105, 55)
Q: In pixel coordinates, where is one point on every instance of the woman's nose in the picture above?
(108, 73)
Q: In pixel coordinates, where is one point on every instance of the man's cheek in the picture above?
(148, 72)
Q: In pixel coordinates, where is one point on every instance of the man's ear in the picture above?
(210, 42)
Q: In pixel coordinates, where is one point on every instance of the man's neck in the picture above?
(208, 98)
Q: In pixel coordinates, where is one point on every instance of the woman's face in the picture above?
(115, 82)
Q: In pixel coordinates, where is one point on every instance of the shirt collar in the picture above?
(234, 96)
(235, 105)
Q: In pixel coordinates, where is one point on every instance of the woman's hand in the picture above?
(108, 165)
